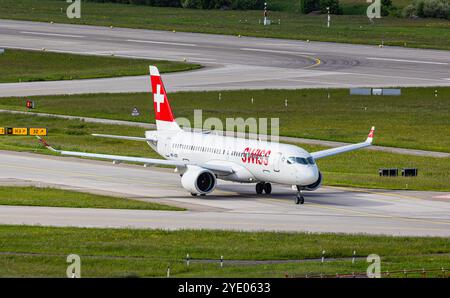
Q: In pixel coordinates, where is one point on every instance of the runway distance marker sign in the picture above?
(23, 131)
(38, 131)
(20, 131)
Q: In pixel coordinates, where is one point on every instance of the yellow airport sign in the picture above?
(34, 131)
(23, 131)
(20, 131)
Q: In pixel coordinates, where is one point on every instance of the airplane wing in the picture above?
(120, 137)
(338, 150)
(218, 169)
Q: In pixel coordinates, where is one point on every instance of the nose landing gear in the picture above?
(299, 199)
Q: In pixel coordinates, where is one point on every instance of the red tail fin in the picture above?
(163, 112)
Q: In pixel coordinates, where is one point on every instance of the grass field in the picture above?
(426, 33)
(42, 251)
(49, 197)
(28, 66)
(416, 119)
(348, 6)
(359, 168)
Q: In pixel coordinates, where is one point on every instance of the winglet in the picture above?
(46, 145)
(371, 134)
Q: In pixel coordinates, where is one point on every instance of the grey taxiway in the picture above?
(231, 62)
(231, 206)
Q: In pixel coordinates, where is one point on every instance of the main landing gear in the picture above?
(299, 199)
(194, 194)
(262, 186)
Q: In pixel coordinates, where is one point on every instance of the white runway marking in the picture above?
(231, 206)
(407, 61)
(51, 34)
(276, 51)
(163, 42)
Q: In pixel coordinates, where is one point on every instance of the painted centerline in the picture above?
(277, 51)
(51, 34)
(407, 61)
(162, 42)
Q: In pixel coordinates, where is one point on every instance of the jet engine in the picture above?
(197, 180)
(314, 185)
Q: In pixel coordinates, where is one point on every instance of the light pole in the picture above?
(266, 15)
(328, 17)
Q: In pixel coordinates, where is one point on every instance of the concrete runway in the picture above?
(231, 206)
(232, 62)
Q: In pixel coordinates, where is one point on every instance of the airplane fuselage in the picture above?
(251, 160)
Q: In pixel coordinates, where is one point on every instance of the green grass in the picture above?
(358, 168)
(49, 197)
(357, 7)
(426, 33)
(28, 66)
(42, 251)
(416, 119)
(348, 6)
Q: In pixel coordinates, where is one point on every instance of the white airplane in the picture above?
(202, 158)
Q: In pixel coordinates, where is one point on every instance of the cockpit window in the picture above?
(300, 160)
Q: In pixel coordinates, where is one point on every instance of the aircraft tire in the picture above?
(259, 188)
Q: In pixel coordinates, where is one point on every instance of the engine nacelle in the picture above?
(197, 180)
(314, 185)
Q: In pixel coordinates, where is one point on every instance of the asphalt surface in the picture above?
(152, 126)
(231, 206)
(232, 62)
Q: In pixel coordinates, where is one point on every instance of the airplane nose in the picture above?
(309, 176)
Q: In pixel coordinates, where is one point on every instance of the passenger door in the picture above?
(276, 162)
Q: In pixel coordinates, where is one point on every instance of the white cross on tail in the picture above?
(158, 98)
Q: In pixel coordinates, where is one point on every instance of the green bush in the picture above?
(163, 3)
(386, 6)
(191, 3)
(198, 4)
(427, 9)
(409, 11)
(308, 6)
(334, 6)
(436, 9)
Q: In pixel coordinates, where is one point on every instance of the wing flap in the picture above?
(215, 168)
(143, 160)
